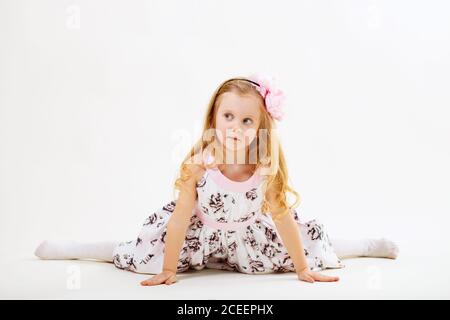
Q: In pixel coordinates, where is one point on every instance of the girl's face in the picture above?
(237, 120)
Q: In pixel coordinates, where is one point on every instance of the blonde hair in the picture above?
(277, 180)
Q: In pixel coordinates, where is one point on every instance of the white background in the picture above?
(99, 100)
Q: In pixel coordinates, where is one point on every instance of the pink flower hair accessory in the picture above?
(273, 96)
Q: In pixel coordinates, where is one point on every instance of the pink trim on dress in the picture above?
(227, 183)
(223, 225)
(237, 186)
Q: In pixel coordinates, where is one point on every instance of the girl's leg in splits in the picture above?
(65, 249)
(344, 248)
(377, 248)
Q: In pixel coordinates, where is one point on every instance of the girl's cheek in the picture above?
(250, 135)
(249, 141)
(220, 134)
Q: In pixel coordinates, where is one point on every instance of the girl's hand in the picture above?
(311, 276)
(167, 277)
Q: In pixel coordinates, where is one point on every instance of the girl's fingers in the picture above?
(307, 278)
(158, 279)
(324, 278)
(149, 282)
(146, 283)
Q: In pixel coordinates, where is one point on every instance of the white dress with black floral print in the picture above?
(227, 231)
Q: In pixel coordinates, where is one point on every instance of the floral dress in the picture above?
(227, 231)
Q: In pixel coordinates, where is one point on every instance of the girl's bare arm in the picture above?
(289, 231)
(176, 229)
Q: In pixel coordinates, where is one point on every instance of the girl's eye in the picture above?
(248, 121)
(228, 116)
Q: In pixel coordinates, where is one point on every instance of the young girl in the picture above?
(231, 212)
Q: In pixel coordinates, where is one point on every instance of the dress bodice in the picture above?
(222, 200)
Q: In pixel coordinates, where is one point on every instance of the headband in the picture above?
(273, 97)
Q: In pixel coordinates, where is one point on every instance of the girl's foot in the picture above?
(53, 250)
(381, 248)
(68, 250)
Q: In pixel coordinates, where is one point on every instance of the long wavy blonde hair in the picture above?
(274, 158)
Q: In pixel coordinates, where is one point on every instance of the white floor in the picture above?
(408, 277)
